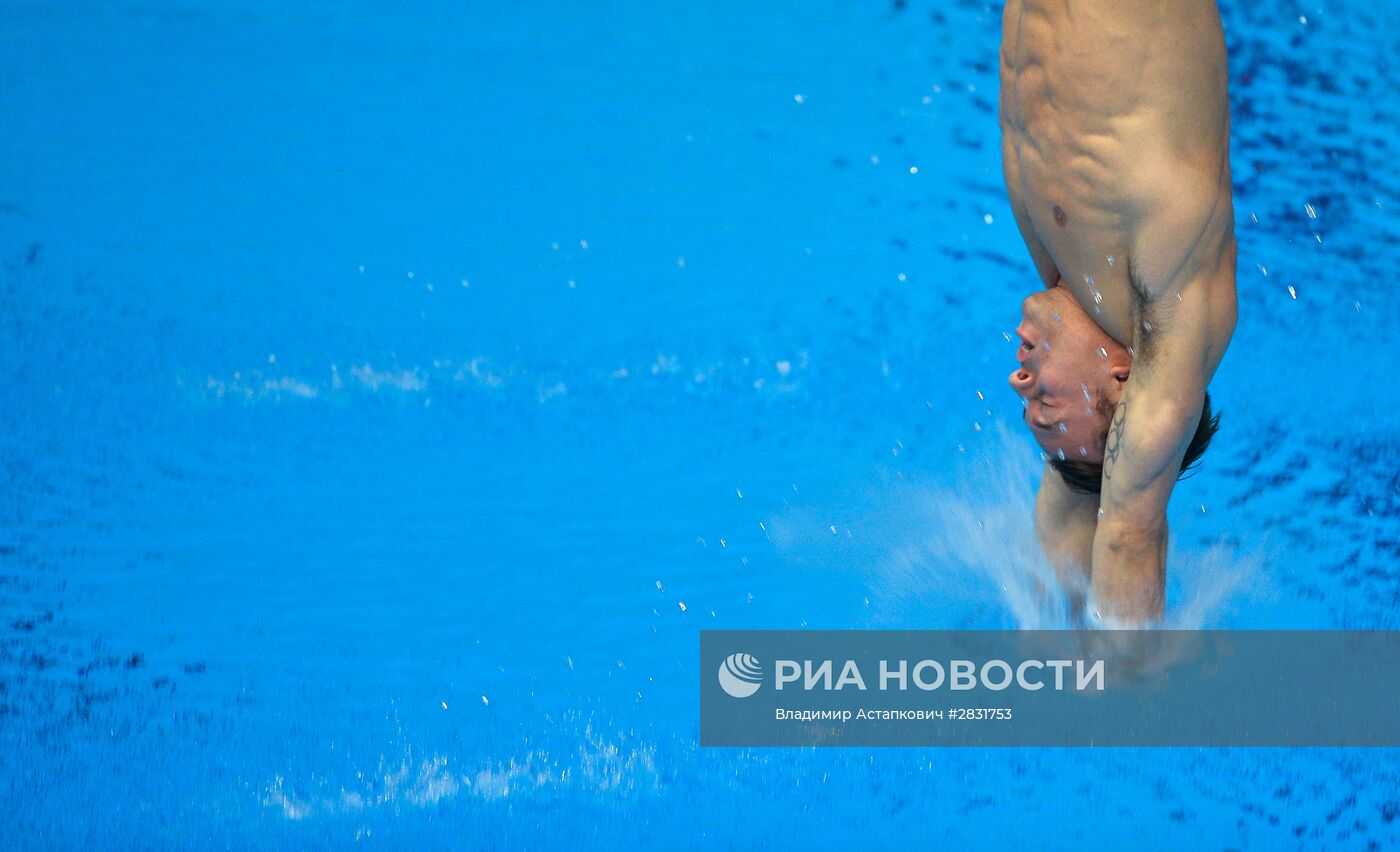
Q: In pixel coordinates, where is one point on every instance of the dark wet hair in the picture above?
(1087, 477)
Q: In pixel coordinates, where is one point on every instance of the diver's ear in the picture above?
(1120, 371)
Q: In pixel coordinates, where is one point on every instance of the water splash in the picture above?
(963, 553)
(597, 767)
(407, 783)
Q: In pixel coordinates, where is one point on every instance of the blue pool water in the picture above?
(390, 397)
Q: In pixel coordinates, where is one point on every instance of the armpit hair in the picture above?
(1144, 335)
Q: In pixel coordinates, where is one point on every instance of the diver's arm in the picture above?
(1146, 443)
(1147, 439)
(1188, 304)
(1064, 524)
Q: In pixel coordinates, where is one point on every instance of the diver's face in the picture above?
(1068, 365)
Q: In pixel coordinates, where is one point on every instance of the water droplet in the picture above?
(1084, 388)
(1103, 353)
(1063, 427)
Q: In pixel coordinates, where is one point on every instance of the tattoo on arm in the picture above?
(1114, 444)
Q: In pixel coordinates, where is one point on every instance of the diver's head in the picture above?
(1070, 376)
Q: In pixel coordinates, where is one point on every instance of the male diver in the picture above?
(1115, 148)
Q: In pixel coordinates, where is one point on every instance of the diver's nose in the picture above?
(1021, 380)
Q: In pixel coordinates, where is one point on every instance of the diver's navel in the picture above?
(1060, 217)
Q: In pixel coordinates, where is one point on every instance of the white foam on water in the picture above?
(409, 782)
(597, 767)
(403, 380)
(260, 384)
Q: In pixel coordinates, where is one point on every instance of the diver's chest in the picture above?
(1090, 246)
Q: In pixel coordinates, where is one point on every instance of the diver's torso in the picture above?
(1109, 107)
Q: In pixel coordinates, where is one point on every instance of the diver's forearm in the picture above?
(1128, 579)
(1064, 527)
(1068, 545)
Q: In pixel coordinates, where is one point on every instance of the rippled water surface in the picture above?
(390, 397)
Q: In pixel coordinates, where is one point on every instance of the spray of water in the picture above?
(962, 553)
